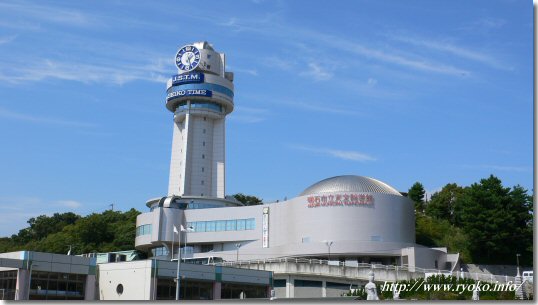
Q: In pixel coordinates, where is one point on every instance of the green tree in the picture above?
(435, 232)
(247, 199)
(497, 221)
(41, 226)
(444, 204)
(416, 193)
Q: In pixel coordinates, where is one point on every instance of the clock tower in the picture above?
(200, 96)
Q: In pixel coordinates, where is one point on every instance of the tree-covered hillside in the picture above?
(107, 231)
(486, 222)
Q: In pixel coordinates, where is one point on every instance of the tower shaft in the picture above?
(197, 167)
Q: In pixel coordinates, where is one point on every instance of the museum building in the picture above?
(349, 218)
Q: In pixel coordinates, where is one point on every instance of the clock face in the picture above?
(187, 58)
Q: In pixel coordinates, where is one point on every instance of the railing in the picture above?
(387, 272)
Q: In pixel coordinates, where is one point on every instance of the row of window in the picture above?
(209, 226)
(143, 230)
(163, 251)
(198, 105)
(223, 225)
(193, 205)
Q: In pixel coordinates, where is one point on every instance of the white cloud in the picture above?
(7, 39)
(417, 64)
(117, 73)
(252, 72)
(507, 168)
(309, 37)
(336, 153)
(17, 210)
(494, 167)
(279, 63)
(493, 23)
(49, 13)
(41, 119)
(372, 82)
(454, 50)
(249, 115)
(316, 107)
(72, 204)
(317, 72)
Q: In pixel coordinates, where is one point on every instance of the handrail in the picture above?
(404, 268)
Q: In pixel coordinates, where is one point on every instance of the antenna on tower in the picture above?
(112, 207)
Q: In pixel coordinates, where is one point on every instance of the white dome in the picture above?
(350, 183)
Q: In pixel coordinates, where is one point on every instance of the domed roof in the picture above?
(350, 183)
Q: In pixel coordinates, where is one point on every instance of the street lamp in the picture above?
(238, 245)
(329, 244)
(178, 281)
(517, 259)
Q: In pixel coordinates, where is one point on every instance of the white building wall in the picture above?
(178, 164)
(135, 277)
(197, 164)
(218, 169)
(200, 156)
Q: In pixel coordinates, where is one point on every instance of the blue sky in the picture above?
(402, 91)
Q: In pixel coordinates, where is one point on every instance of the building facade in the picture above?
(349, 219)
(29, 275)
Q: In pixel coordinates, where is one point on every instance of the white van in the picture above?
(528, 276)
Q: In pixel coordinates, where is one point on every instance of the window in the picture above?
(251, 224)
(200, 226)
(204, 118)
(279, 283)
(143, 230)
(221, 225)
(202, 183)
(203, 143)
(210, 226)
(337, 285)
(203, 156)
(241, 224)
(231, 225)
(202, 169)
(204, 130)
(159, 251)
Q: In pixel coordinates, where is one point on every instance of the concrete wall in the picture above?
(136, 278)
(423, 257)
